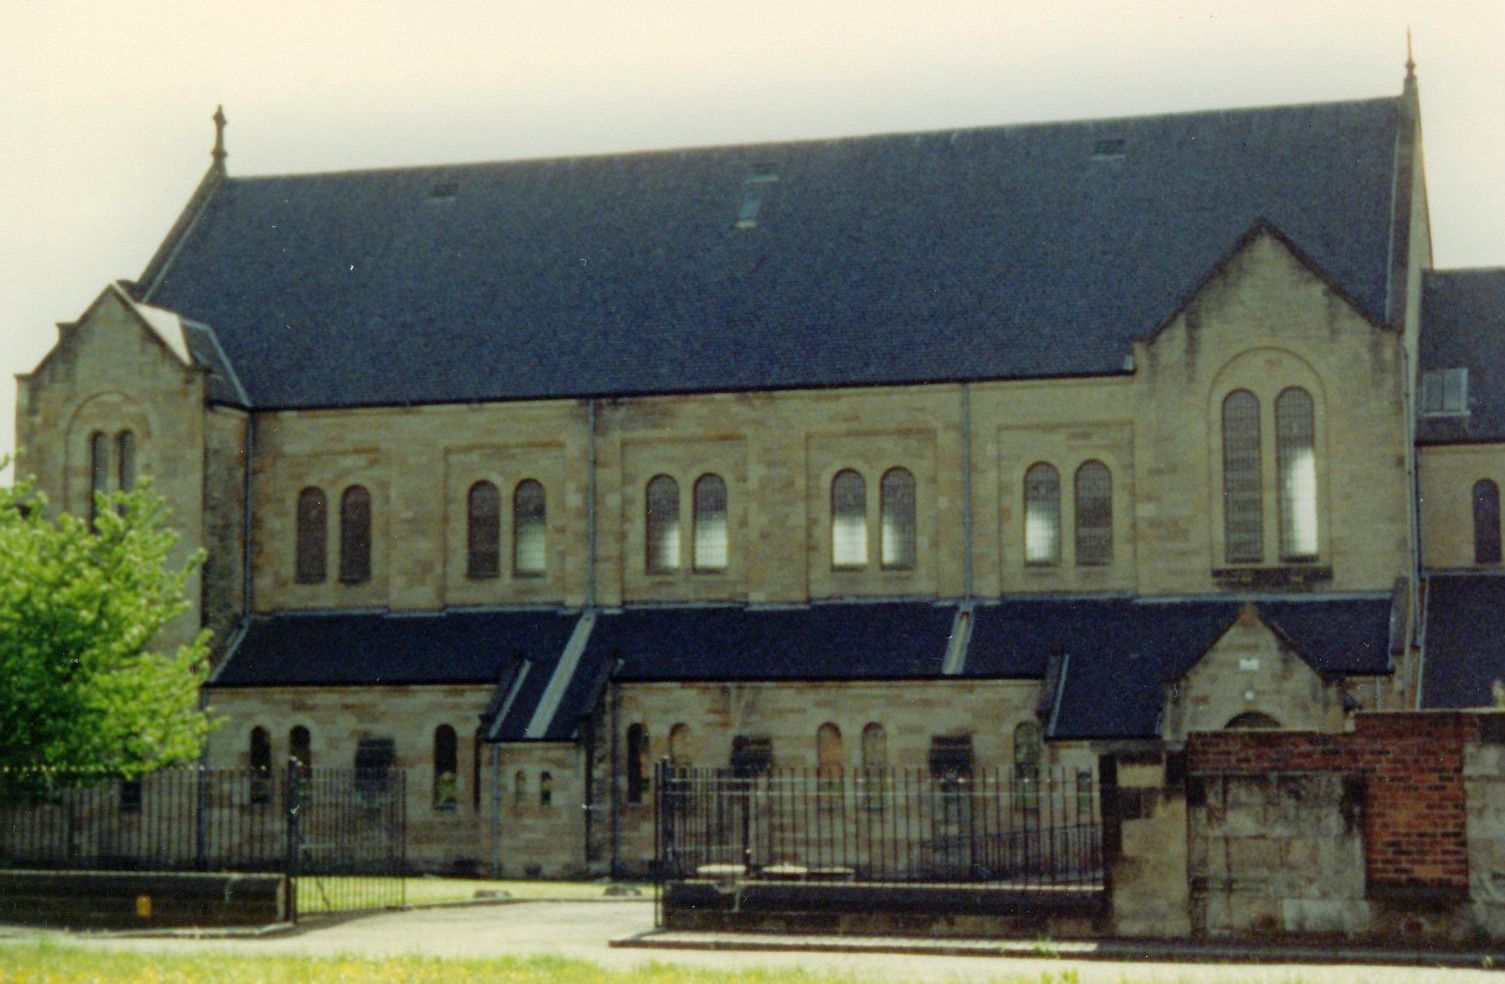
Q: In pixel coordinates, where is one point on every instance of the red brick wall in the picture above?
(1415, 816)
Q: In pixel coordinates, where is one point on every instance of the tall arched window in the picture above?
(300, 746)
(1243, 525)
(261, 766)
(637, 763)
(848, 520)
(1486, 522)
(1027, 751)
(520, 787)
(679, 746)
(829, 759)
(1094, 514)
(1296, 459)
(545, 789)
(99, 472)
(483, 531)
(1042, 515)
(125, 461)
(874, 747)
(355, 535)
(313, 524)
(896, 508)
(710, 547)
(662, 525)
(446, 767)
(874, 776)
(530, 556)
(477, 750)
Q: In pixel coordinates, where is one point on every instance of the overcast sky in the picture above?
(104, 107)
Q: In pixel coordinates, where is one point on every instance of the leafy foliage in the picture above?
(79, 612)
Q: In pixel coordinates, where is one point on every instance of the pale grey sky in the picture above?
(104, 107)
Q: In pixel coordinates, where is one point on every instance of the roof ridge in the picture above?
(953, 131)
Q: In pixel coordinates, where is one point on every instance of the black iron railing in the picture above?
(1021, 829)
(341, 831)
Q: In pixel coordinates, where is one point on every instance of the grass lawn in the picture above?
(338, 894)
(53, 964)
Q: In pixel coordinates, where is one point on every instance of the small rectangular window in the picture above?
(1444, 392)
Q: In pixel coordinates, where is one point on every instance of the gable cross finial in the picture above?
(1410, 62)
(219, 153)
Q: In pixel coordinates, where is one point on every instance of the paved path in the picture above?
(582, 930)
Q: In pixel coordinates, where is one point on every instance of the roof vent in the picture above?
(444, 190)
(1109, 148)
(753, 190)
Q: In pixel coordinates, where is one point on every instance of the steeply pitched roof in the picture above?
(376, 649)
(1465, 640)
(1463, 326)
(1001, 252)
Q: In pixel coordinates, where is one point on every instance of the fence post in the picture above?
(293, 797)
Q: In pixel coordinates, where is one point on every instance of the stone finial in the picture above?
(219, 153)
(1410, 62)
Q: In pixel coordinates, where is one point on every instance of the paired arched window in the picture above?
(446, 767)
(710, 532)
(828, 754)
(1243, 524)
(1042, 515)
(1296, 460)
(1094, 514)
(637, 763)
(483, 537)
(355, 535)
(312, 531)
(848, 520)
(300, 746)
(100, 473)
(530, 557)
(662, 525)
(896, 507)
(1486, 522)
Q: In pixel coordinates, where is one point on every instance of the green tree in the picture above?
(81, 686)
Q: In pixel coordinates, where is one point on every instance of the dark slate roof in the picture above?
(367, 649)
(874, 640)
(1122, 652)
(1463, 326)
(1002, 252)
(221, 384)
(1465, 640)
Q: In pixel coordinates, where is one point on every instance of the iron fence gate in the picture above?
(338, 834)
(991, 827)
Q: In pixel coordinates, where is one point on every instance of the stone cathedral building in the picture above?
(998, 445)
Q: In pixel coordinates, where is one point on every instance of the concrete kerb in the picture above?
(306, 924)
(1150, 951)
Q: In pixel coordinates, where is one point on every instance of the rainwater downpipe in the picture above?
(967, 491)
(496, 811)
(590, 504)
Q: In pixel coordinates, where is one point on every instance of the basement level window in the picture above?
(1444, 392)
(444, 190)
(1113, 147)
